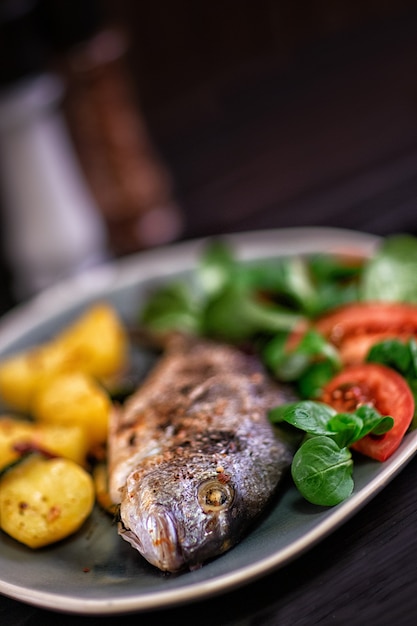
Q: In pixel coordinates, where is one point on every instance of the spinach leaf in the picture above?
(285, 281)
(172, 306)
(399, 355)
(327, 268)
(236, 314)
(318, 418)
(216, 268)
(312, 417)
(310, 364)
(390, 275)
(287, 365)
(322, 471)
(290, 283)
(336, 280)
(322, 466)
(235, 306)
(311, 382)
(236, 301)
(347, 428)
(373, 421)
(351, 427)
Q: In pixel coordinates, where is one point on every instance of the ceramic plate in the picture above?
(95, 571)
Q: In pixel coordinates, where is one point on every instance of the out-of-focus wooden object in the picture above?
(131, 184)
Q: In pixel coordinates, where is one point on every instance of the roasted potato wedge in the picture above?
(44, 500)
(70, 441)
(22, 374)
(74, 399)
(12, 432)
(95, 343)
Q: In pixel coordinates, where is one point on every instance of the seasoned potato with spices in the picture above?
(22, 374)
(95, 343)
(44, 500)
(67, 441)
(75, 399)
(12, 432)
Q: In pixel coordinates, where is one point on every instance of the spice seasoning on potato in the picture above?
(75, 399)
(68, 441)
(44, 500)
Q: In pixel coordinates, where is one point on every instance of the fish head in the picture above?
(181, 518)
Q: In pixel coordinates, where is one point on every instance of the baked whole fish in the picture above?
(193, 460)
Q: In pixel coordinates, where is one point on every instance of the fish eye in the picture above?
(215, 496)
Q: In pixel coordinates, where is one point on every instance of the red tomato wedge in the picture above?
(354, 328)
(385, 390)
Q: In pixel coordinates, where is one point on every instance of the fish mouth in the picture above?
(157, 541)
(157, 538)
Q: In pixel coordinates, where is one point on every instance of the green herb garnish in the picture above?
(322, 466)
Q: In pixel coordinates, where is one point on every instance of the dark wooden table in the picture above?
(331, 140)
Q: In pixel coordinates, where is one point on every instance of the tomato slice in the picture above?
(354, 328)
(385, 390)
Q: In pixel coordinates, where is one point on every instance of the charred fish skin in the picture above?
(193, 460)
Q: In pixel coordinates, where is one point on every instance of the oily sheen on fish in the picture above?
(193, 460)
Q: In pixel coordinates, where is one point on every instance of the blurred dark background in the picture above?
(283, 113)
(261, 114)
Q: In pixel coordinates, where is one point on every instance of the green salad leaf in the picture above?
(236, 314)
(310, 363)
(401, 356)
(311, 417)
(390, 275)
(172, 306)
(322, 471)
(322, 466)
(216, 268)
(317, 418)
(237, 301)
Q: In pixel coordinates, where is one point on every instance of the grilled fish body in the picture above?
(193, 459)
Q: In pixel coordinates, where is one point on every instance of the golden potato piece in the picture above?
(67, 441)
(22, 374)
(12, 432)
(101, 486)
(75, 399)
(96, 343)
(44, 500)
